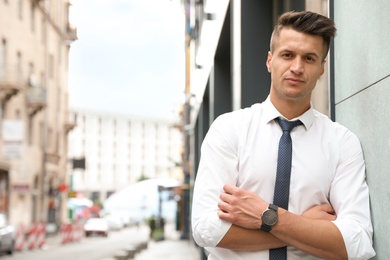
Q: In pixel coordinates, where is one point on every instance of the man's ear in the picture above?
(268, 62)
(322, 69)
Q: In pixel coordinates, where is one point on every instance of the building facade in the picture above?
(120, 150)
(34, 46)
(227, 44)
(361, 97)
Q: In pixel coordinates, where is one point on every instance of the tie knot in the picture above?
(288, 125)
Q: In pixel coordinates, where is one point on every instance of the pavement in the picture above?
(171, 248)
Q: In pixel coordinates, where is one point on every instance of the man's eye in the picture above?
(286, 55)
(310, 59)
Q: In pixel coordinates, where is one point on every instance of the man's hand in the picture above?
(324, 212)
(241, 207)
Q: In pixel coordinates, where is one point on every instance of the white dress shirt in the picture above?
(241, 149)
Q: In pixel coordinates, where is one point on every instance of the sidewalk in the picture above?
(171, 248)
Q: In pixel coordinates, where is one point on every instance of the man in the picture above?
(234, 215)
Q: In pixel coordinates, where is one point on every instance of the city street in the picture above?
(92, 248)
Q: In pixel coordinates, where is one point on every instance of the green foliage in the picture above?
(158, 235)
(142, 178)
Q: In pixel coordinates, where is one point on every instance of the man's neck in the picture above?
(290, 108)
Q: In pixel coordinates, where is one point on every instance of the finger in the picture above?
(224, 206)
(224, 197)
(223, 215)
(229, 188)
(327, 208)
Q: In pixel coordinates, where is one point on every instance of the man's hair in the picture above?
(306, 22)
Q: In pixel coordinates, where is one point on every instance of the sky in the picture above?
(129, 57)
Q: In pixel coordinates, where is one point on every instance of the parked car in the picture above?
(115, 222)
(7, 235)
(96, 226)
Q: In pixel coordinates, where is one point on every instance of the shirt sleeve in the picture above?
(218, 166)
(349, 197)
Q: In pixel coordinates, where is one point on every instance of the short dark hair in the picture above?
(306, 22)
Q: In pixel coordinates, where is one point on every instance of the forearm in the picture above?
(317, 237)
(239, 238)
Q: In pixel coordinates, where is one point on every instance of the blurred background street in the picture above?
(100, 248)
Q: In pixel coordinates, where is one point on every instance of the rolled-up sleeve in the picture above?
(350, 199)
(218, 166)
(357, 239)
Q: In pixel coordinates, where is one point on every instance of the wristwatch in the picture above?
(269, 218)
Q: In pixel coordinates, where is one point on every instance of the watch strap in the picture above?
(265, 228)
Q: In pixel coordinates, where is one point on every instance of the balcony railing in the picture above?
(71, 33)
(71, 123)
(36, 98)
(11, 82)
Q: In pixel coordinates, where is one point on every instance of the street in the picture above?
(92, 248)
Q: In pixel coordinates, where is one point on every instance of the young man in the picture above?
(328, 216)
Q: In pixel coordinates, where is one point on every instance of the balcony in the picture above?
(52, 157)
(11, 82)
(36, 2)
(70, 124)
(36, 97)
(71, 33)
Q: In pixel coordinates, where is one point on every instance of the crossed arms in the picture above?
(243, 209)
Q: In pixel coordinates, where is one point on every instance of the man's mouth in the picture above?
(294, 81)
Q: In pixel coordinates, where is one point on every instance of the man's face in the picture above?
(295, 64)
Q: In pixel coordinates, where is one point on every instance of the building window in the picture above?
(30, 69)
(51, 66)
(20, 9)
(114, 127)
(43, 30)
(49, 138)
(99, 126)
(3, 59)
(42, 135)
(30, 130)
(32, 21)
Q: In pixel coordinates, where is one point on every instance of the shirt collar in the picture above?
(270, 113)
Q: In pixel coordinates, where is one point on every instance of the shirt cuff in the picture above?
(210, 230)
(357, 240)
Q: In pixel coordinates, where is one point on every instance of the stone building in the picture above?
(35, 37)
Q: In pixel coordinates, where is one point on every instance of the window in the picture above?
(51, 66)
(49, 138)
(19, 67)
(42, 134)
(30, 130)
(3, 59)
(43, 30)
(20, 9)
(32, 18)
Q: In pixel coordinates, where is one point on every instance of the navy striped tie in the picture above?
(283, 172)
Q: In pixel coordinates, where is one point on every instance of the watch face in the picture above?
(269, 217)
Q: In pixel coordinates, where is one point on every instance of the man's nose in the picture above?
(297, 65)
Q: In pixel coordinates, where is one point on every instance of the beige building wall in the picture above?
(34, 46)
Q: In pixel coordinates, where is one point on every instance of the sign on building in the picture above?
(13, 135)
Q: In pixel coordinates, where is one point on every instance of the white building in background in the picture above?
(119, 150)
